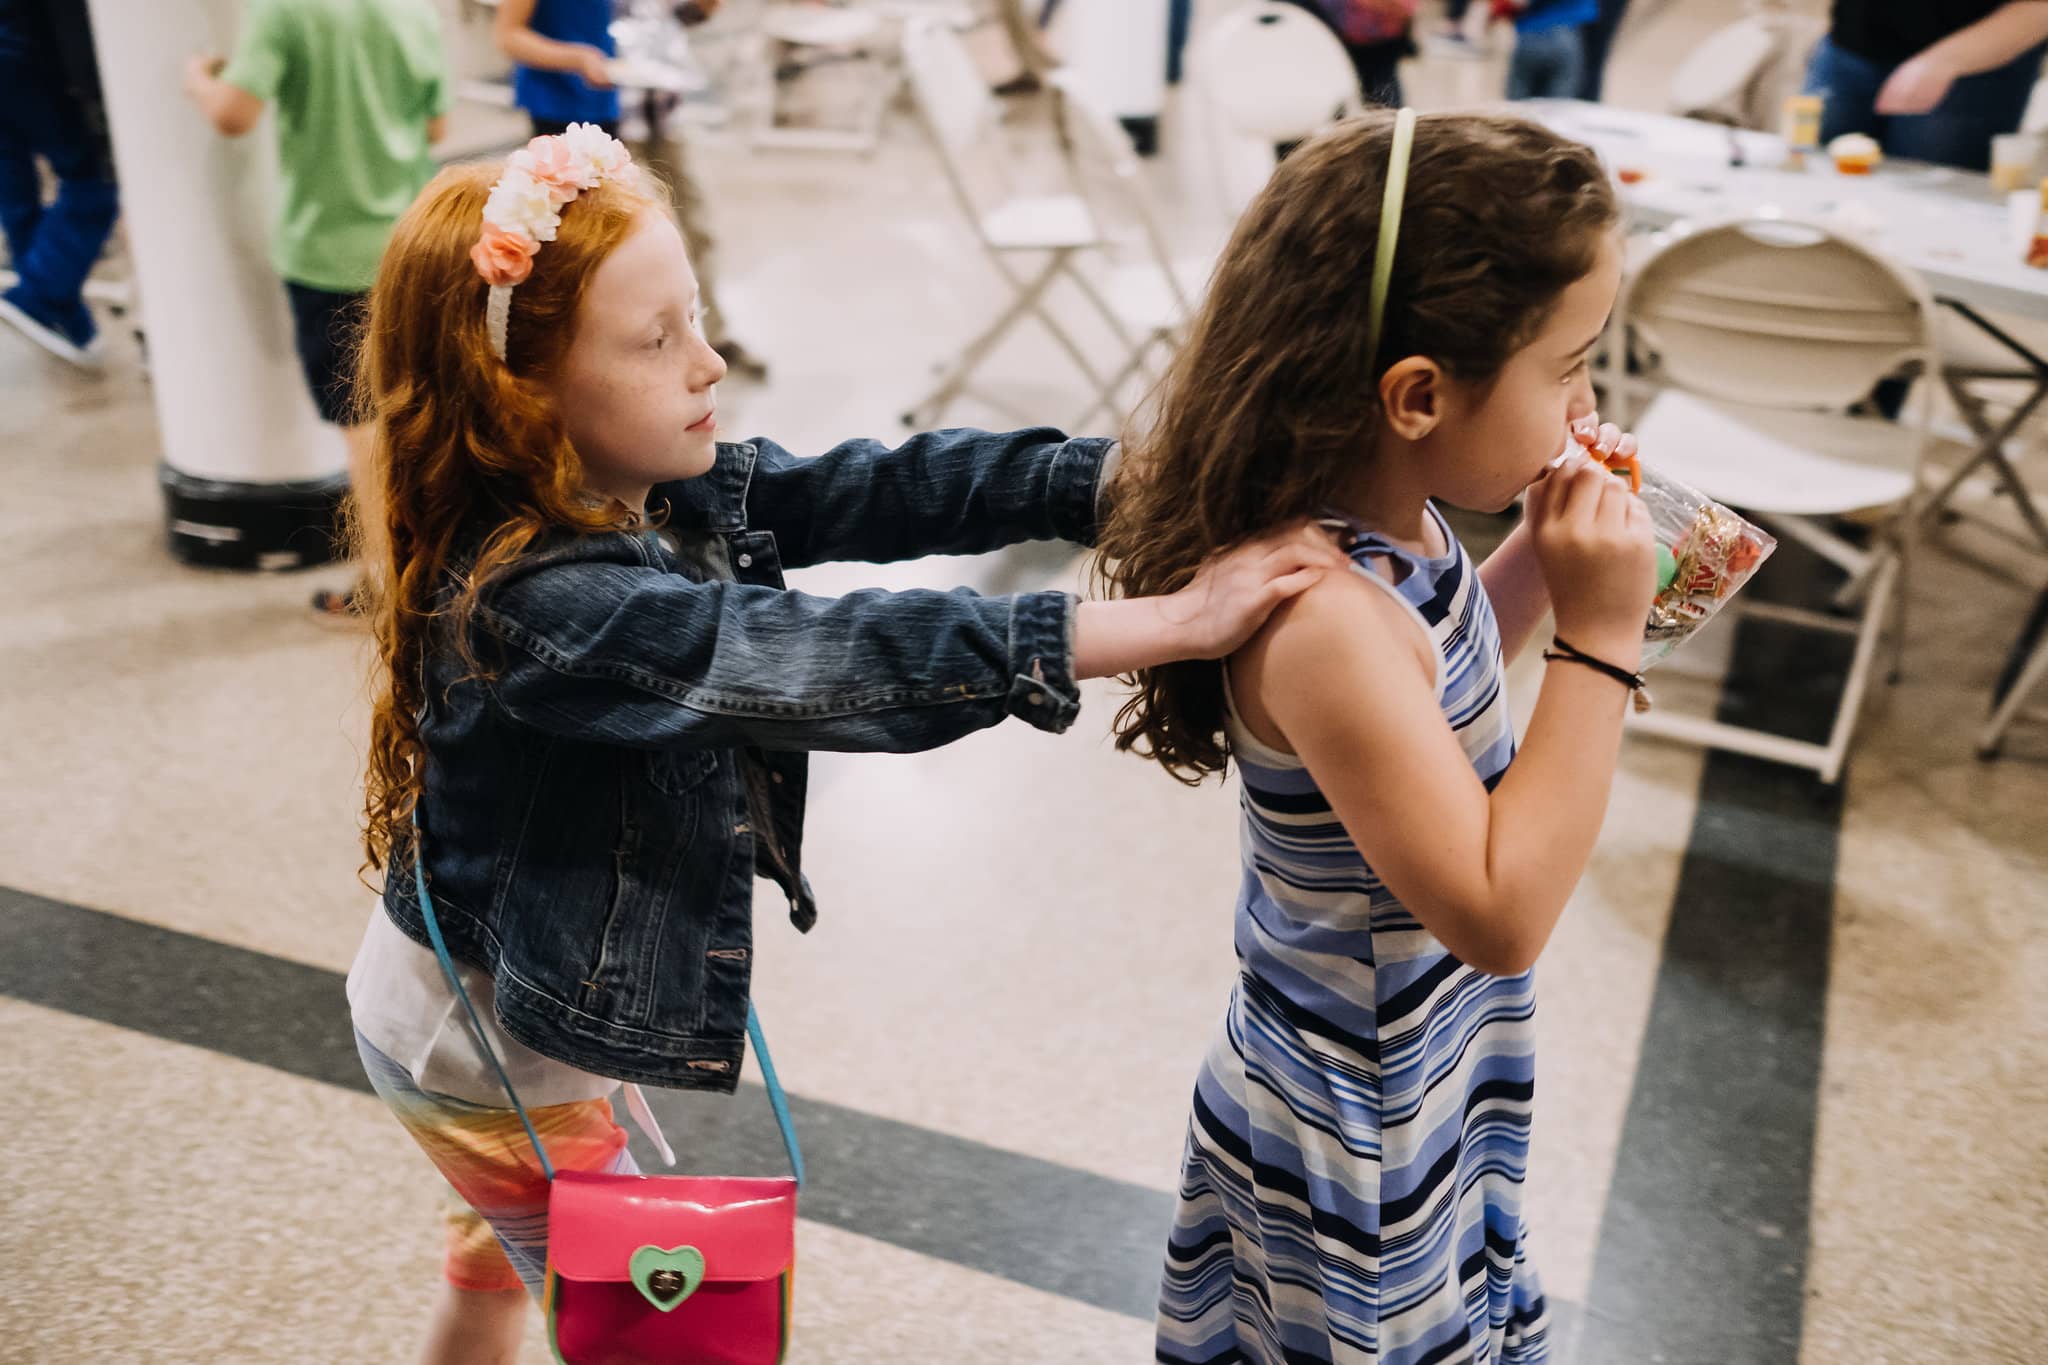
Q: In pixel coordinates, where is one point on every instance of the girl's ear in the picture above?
(1412, 397)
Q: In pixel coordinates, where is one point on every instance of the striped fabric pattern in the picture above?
(1351, 1191)
(498, 1225)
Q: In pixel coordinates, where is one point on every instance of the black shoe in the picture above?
(69, 335)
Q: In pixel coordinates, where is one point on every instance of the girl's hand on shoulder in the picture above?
(1234, 592)
(1599, 556)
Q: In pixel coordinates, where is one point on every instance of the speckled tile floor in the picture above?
(1001, 1000)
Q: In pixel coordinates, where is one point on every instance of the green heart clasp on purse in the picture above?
(666, 1279)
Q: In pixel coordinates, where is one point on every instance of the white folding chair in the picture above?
(800, 36)
(1148, 296)
(1265, 75)
(1276, 73)
(1713, 79)
(1741, 74)
(961, 114)
(1763, 333)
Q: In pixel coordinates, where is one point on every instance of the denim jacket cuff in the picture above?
(1079, 474)
(1042, 688)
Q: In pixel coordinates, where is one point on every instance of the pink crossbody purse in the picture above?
(661, 1270)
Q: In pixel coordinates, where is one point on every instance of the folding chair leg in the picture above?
(1116, 324)
(927, 409)
(1826, 759)
(2031, 677)
(1105, 401)
(1990, 450)
(1899, 619)
(2021, 498)
(1067, 342)
(1850, 708)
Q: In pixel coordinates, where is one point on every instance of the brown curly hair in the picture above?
(1272, 401)
(472, 461)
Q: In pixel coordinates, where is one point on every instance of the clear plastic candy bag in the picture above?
(1705, 553)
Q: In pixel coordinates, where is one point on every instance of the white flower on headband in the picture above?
(589, 145)
(525, 208)
(519, 203)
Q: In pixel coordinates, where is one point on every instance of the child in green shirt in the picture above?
(361, 92)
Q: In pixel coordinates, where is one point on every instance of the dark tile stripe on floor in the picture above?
(1037, 1223)
(1703, 1244)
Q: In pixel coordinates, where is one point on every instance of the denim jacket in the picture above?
(598, 802)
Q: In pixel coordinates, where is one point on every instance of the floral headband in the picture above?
(525, 209)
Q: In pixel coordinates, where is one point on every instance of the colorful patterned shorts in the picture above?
(498, 1220)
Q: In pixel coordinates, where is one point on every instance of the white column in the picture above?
(232, 406)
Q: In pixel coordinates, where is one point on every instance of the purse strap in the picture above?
(776, 1099)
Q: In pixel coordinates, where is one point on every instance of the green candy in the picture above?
(1667, 569)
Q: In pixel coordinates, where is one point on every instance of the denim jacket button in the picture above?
(746, 561)
(776, 778)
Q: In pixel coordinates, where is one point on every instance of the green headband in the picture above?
(1390, 225)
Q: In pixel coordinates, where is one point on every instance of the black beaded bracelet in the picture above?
(1563, 650)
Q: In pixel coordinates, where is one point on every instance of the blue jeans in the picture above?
(1548, 64)
(1598, 38)
(1959, 130)
(53, 247)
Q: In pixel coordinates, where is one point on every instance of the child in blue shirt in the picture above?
(1550, 48)
(564, 50)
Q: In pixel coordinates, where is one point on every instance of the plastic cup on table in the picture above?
(2014, 157)
(1855, 153)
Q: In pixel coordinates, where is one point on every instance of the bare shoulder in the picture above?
(1315, 648)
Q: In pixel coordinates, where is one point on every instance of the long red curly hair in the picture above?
(470, 450)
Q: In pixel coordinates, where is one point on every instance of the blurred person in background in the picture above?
(662, 146)
(50, 111)
(563, 50)
(361, 90)
(1378, 34)
(1931, 82)
(1597, 39)
(1550, 47)
(1451, 38)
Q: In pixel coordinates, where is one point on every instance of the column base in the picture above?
(218, 524)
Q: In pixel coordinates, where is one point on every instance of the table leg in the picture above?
(1992, 438)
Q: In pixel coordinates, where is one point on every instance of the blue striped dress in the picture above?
(1351, 1190)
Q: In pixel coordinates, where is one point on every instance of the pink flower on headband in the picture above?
(503, 257)
(552, 164)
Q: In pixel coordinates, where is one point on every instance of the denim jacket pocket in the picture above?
(676, 772)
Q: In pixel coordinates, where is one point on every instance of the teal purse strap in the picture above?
(776, 1099)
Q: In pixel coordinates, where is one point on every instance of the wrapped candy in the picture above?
(1705, 553)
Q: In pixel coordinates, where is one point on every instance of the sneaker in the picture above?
(72, 338)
